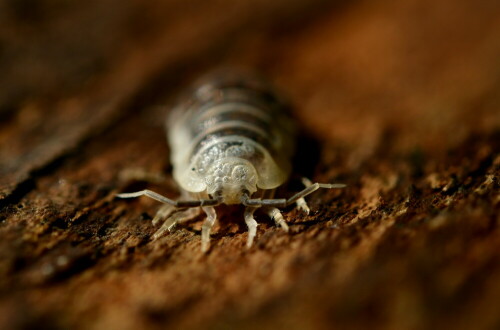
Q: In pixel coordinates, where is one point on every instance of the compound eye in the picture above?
(240, 173)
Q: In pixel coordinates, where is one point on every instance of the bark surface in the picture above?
(400, 100)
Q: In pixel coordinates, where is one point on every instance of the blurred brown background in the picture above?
(401, 97)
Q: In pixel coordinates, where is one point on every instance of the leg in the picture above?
(165, 200)
(312, 188)
(301, 202)
(282, 202)
(276, 215)
(273, 212)
(164, 212)
(180, 216)
(252, 225)
(207, 227)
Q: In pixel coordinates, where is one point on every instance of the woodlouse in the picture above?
(231, 143)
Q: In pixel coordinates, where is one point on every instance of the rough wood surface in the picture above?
(401, 100)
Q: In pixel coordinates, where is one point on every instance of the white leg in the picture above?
(276, 215)
(273, 212)
(175, 218)
(252, 225)
(164, 212)
(207, 227)
(301, 202)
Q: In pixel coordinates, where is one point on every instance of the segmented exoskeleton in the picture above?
(231, 143)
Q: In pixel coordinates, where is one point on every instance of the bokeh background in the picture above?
(401, 99)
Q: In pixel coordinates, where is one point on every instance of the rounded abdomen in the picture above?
(229, 115)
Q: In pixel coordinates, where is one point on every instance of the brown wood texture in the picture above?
(398, 99)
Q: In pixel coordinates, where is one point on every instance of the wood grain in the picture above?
(398, 99)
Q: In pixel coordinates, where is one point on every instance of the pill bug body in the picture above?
(232, 136)
(231, 142)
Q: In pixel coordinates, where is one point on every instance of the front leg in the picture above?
(164, 212)
(251, 223)
(175, 218)
(273, 212)
(301, 202)
(167, 210)
(171, 215)
(207, 227)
